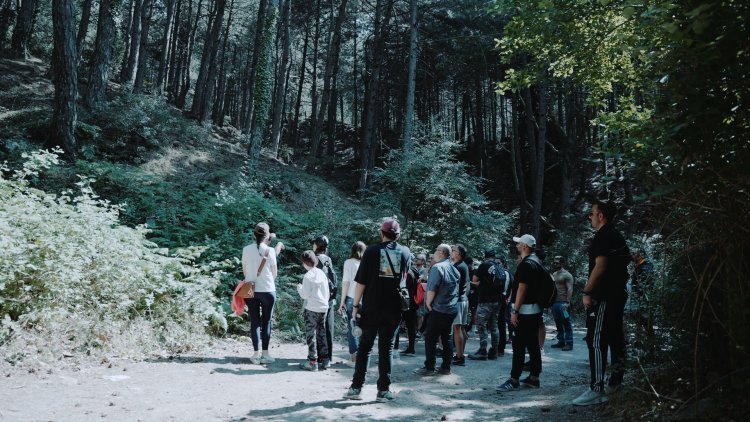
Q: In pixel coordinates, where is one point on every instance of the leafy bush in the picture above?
(74, 280)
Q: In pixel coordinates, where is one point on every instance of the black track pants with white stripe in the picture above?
(605, 331)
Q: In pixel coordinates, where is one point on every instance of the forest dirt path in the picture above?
(222, 385)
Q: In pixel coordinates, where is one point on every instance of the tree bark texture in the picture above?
(281, 83)
(140, 74)
(22, 31)
(130, 60)
(165, 47)
(65, 75)
(105, 36)
(406, 141)
(83, 28)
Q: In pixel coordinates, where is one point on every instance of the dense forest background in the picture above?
(143, 140)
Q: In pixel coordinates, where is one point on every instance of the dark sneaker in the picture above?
(409, 352)
(444, 371)
(481, 354)
(492, 354)
(384, 396)
(568, 347)
(508, 385)
(425, 372)
(353, 394)
(558, 345)
(460, 361)
(309, 365)
(528, 382)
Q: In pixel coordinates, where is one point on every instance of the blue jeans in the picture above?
(386, 333)
(564, 326)
(353, 341)
(260, 309)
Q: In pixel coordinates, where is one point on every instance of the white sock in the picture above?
(265, 353)
(256, 354)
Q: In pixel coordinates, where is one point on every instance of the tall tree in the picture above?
(263, 84)
(105, 37)
(83, 27)
(23, 28)
(140, 73)
(165, 47)
(7, 15)
(281, 83)
(204, 83)
(130, 59)
(65, 75)
(332, 60)
(406, 141)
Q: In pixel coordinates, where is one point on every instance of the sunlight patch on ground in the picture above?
(172, 159)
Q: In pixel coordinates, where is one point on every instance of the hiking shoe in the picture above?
(384, 396)
(460, 361)
(425, 372)
(324, 364)
(266, 359)
(353, 394)
(558, 345)
(481, 354)
(444, 371)
(568, 347)
(309, 365)
(589, 398)
(409, 352)
(255, 360)
(509, 385)
(529, 382)
(492, 354)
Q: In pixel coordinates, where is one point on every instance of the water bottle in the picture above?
(356, 330)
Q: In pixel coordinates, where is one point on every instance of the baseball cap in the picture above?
(526, 239)
(489, 253)
(390, 226)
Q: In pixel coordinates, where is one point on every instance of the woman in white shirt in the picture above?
(348, 286)
(259, 267)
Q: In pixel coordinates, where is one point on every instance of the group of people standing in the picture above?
(439, 307)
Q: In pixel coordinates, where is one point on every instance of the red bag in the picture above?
(419, 296)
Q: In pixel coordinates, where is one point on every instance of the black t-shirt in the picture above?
(412, 279)
(463, 280)
(381, 303)
(526, 273)
(609, 243)
(487, 292)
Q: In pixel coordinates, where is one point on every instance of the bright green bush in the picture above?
(73, 279)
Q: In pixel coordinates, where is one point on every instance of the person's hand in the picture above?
(587, 301)
(565, 306)
(429, 306)
(342, 308)
(355, 311)
(514, 319)
(280, 246)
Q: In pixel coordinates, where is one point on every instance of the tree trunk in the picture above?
(206, 75)
(130, 59)
(536, 216)
(383, 11)
(406, 141)
(517, 161)
(105, 36)
(174, 53)
(165, 46)
(314, 76)
(19, 44)
(140, 74)
(263, 10)
(65, 75)
(185, 77)
(83, 28)
(281, 84)
(298, 103)
(263, 85)
(7, 15)
(334, 49)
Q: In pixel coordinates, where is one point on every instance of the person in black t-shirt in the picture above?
(488, 307)
(382, 271)
(604, 298)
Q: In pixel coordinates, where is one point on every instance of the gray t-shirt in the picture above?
(443, 280)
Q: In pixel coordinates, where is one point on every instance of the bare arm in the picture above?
(428, 300)
(569, 285)
(358, 292)
(596, 275)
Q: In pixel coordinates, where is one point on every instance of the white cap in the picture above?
(527, 239)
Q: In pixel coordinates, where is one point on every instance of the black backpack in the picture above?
(328, 270)
(497, 277)
(545, 289)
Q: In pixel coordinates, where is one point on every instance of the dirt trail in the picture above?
(223, 385)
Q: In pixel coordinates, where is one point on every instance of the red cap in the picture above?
(390, 226)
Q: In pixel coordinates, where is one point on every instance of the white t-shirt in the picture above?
(251, 258)
(351, 266)
(314, 290)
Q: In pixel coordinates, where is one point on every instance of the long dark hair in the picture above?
(358, 248)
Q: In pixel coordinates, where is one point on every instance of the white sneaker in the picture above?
(589, 398)
(350, 364)
(255, 360)
(265, 359)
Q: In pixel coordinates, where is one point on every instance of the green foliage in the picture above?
(73, 279)
(437, 196)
